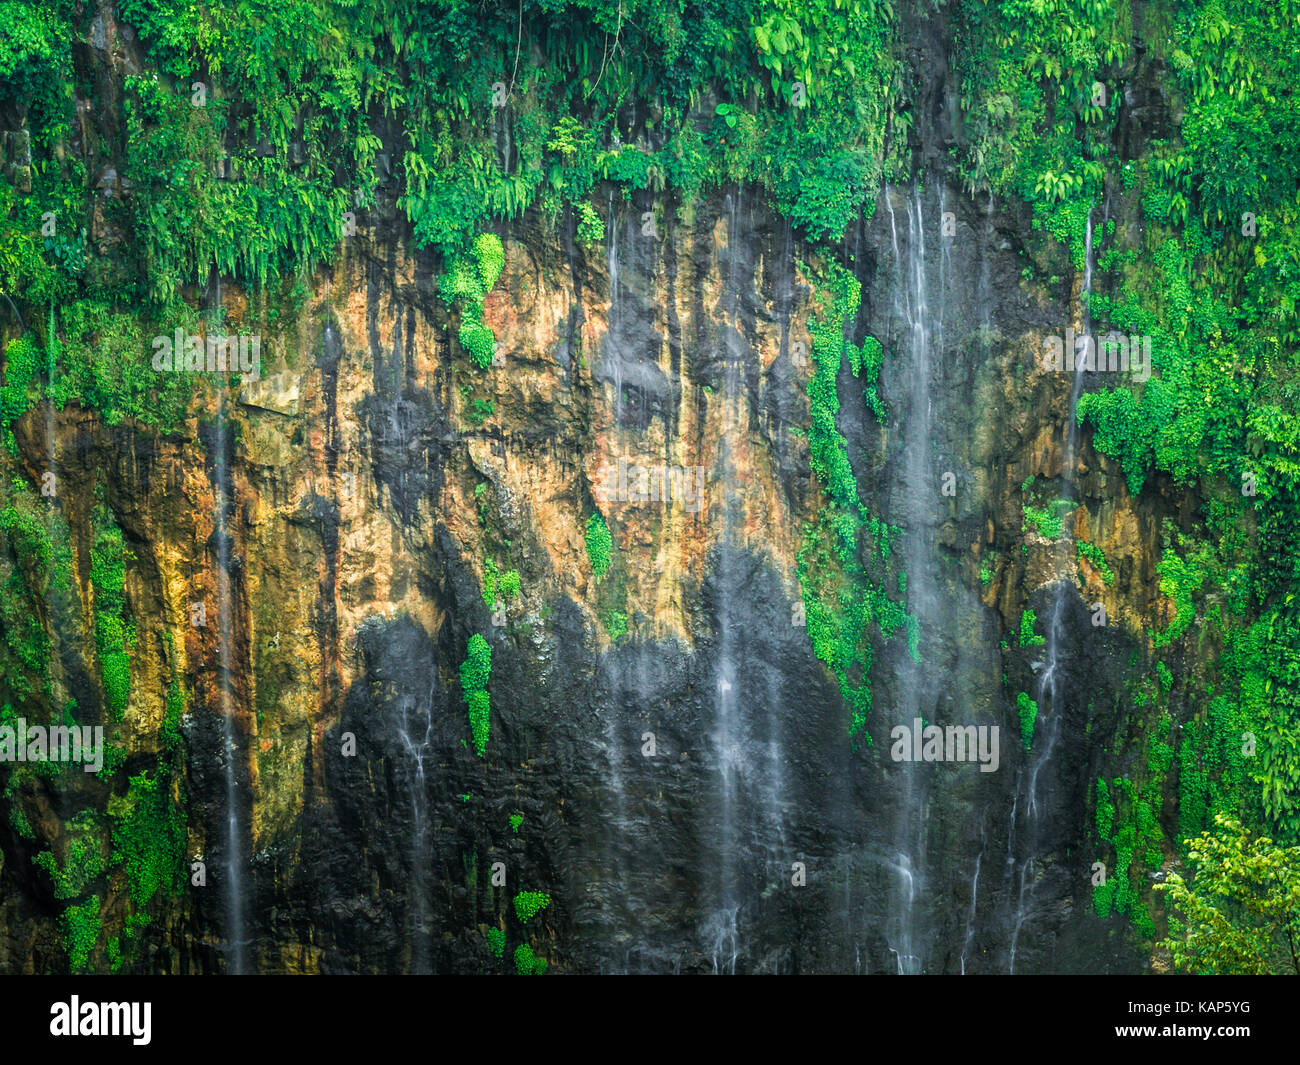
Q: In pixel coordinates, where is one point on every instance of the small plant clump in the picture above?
(528, 904)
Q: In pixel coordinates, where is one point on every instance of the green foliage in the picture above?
(496, 941)
(149, 838)
(18, 819)
(468, 280)
(175, 710)
(1239, 913)
(311, 105)
(480, 411)
(527, 963)
(591, 227)
(81, 928)
(1028, 715)
(1105, 810)
(84, 859)
(498, 585)
(31, 565)
(509, 584)
(1096, 558)
(1211, 279)
(600, 544)
(475, 672)
(1046, 521)
(516, 820)
(528, 904)
(1166, 677)
(844, 551)
(113, 638)
(616, 625)
(1136, 837)
(22, 359)
(1028, 637)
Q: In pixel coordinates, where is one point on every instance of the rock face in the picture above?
(689, 795)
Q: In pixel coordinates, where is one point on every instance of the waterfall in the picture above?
(723, 928)
(915, 697)
(974, 897)
(617, 891)
(235, 933)
(1050, 697)
(615, 316)
(416, 731)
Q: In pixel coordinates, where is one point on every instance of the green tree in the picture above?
(1241, 912)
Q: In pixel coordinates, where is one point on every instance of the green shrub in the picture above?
(1028, 637)
(527, 963)
(149, 837)
(616, 625)
(600, 544)
(591, 227)
(478, 340)
(475, 672)
(530, 903)
(1096, 557)
(1028, 715)
(81, 928)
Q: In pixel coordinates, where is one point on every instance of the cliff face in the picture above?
(317, 544)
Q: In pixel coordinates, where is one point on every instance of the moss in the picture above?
(496, 942)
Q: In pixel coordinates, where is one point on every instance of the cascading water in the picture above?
(915, 697)
(615, 317)
(723, 928)
(236, 942)
(416, 732)
(974, 899)
(1049, 693)
(616, 890)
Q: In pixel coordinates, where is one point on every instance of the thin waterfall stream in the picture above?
(1050, 692)
(729, 740)
(234, 880)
